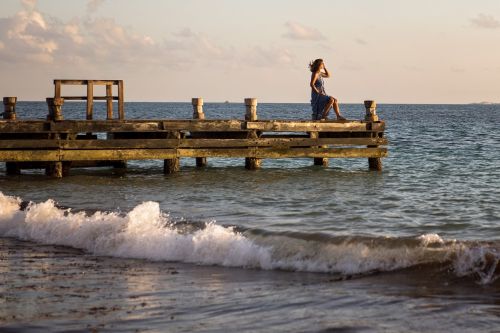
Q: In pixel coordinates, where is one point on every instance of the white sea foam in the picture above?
(429, 239)
(147, 233)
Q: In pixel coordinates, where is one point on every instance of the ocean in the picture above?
(291, 247)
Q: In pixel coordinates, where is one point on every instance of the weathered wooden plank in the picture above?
(22, 127)
(286, 153)
(203, 125)
(84, 82)
(142, 154)
(77, 126)
(187, 143)
(83, 98)
(118, 154)
(29, 155)
(105, 82)
(309, 126)
(29, 144)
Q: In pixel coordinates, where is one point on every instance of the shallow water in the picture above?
(415, 247)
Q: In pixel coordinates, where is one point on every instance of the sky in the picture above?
(392, 51)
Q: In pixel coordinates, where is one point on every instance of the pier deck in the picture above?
(59, 145)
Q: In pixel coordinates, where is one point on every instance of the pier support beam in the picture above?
(252, 163)
(318, 160)
(172, 165)
(57, 169)
(198, 114)
(374, 163)
(9, 103)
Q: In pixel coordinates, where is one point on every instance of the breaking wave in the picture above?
(148, 233)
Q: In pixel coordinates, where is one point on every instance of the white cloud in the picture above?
(26, 36)
(31, 37)
(34, 37)
(298, 31)
(268, 57)
(485, 21)
(93, 5)
(29, 4)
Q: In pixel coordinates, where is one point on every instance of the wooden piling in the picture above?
(54, 105)
(321, 161)
(198, 114)
(252, 163)
(9, 104)
(374, 163)
(56, 169)
(172, 165)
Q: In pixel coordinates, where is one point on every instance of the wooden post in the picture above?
(109, 101)
(54, 105)
(90, 99)
(374, 163)
(371, 111)
(57, 88)
(121, 111)
(172, 165)
(318, 160)
(251, 108)
(252, 163)
(198, 114)
(9, 104)
(55, 169)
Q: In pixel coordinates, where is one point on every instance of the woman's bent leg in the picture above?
(328, 105)
(337, 109)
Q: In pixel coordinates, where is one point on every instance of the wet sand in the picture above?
(60, 289)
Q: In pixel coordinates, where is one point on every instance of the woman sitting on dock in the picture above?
(320, 101)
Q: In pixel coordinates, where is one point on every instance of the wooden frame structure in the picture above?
(58, 145)
(109, 98)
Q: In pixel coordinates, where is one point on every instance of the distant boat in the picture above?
(226, 102)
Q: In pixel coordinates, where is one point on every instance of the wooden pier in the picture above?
(57, 144)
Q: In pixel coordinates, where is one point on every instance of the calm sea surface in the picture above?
(290, 247)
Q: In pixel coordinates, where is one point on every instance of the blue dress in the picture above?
(318, 101)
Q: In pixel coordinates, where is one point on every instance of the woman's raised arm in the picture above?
(326, 73)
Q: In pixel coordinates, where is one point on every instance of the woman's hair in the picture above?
(314, 65)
